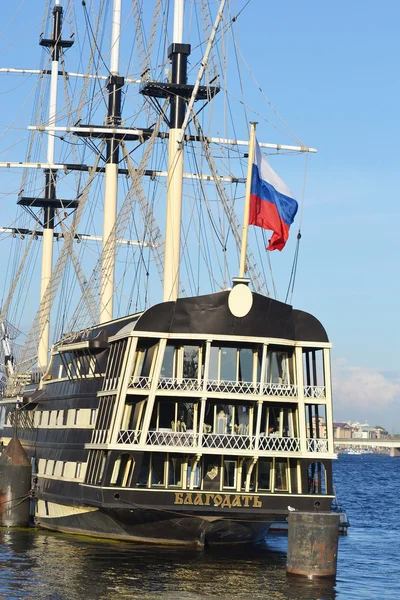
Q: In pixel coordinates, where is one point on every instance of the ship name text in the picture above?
(222, 500)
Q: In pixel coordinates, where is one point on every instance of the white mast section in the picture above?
(175, 156)
(48, 231)
(175, 172)
(174, 211)
(115, 37)
(178, 21)
(111, 181)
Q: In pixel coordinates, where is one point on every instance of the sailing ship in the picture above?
(198, 419)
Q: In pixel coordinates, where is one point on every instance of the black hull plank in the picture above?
(151, 527)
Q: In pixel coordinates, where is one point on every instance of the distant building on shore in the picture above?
(364, 433)
(342, 430)
(381, 432)
(348, 430)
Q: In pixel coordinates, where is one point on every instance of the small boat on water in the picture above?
(195, 419)
(357, 451)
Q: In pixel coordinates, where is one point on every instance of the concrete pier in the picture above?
(15, 485)
(312, 544)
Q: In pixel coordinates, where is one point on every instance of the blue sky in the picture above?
(332, 72)
(331, 69)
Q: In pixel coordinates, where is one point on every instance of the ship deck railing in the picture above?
(183, 384)
(172, 438)
(314, 391)
(317, 445)
(140, 382)
(232, 387)
(222, 441)
(279, 444)
(127, 436)
(229, 441)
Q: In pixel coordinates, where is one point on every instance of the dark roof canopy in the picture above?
(210, 314)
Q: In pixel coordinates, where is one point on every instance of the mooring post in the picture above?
(15, 485)
(312, 544)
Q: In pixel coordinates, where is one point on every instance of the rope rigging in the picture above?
(211, 217)
(292, 280)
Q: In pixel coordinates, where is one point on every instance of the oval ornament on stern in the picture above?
(240, 300)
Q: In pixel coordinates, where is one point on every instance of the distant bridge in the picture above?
(382, 442)
(392, 443)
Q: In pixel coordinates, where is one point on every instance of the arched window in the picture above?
(316, 478)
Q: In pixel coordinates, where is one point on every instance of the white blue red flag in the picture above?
(272, 205)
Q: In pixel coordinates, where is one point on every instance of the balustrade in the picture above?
(229, 441)
(279, 444)
(233, 387)
(172, 438)
(139, 382)
(127, 436)
(314, 391)
(225, 387)
(185, 385)
(283, 390)
(279, 389)
(222, 441)
(317, 445)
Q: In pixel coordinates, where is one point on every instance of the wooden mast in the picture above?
(49, 201)
(114, 86)
(178, 53)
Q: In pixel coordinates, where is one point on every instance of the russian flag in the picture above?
(272, 205)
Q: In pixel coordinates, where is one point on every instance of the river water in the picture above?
(51, 566)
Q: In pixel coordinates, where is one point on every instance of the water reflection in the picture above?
(57, 567)
(49, 566)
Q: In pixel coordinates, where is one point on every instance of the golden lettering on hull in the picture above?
(221, 500)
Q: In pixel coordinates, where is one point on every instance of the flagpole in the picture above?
(245, 227)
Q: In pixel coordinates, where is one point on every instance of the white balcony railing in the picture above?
(233, 387)
(229, 441)
(221, 441)
(317, 445)
(226, 387)
(172, 438)
(279, 389)
(186, 385)
(314, 391)
(279, 444)
(127, 436)
(139, 382)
